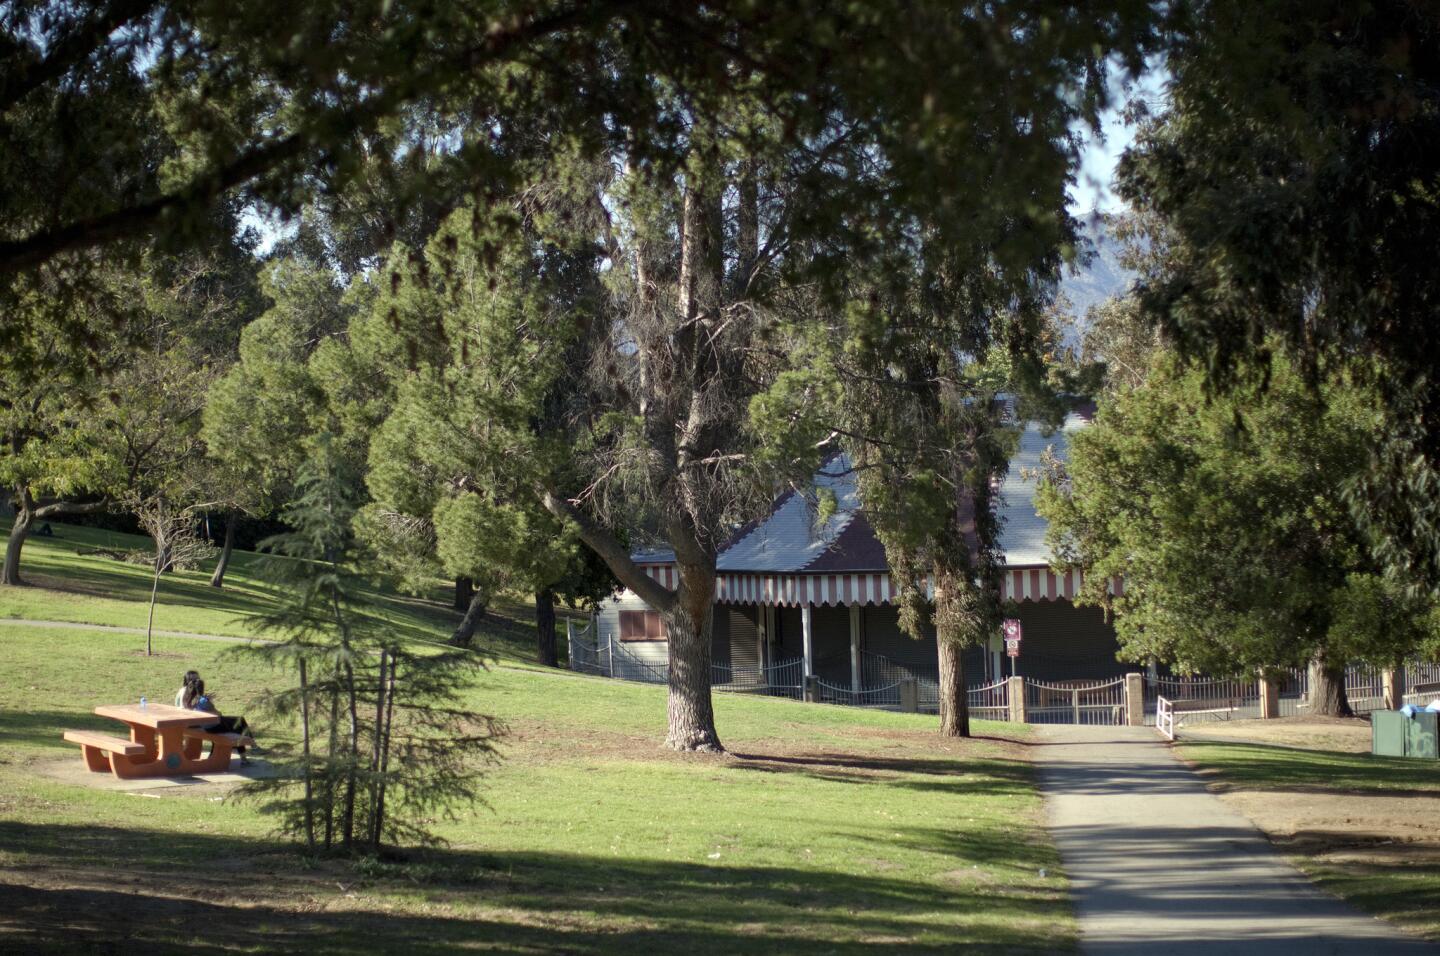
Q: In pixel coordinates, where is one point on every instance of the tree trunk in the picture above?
(474, 614)
(352, 755)
(954, 696)
(217, 580)
(377, 743)
(464, 593)
(19, 531)
(545, 627)
(690, 710)
(150, 620)
(1327, 689)
(305, 757)
(384, 757)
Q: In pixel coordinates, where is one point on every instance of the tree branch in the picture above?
(330, 128)
(73, 49)
(609, 550)
(70, 508)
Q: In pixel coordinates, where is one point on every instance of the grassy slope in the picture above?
(829, 829)
(1404, 890)
(95, 589)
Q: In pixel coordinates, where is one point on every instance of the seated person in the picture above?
(195, 698)
(190, 678)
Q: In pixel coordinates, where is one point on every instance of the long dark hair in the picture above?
(194, 689)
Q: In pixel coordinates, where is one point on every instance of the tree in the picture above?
(387, 742)
(1296, 167)
(1225, 519)
(150, 433)
(669, 297)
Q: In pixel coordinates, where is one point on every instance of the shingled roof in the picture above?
(788, 540)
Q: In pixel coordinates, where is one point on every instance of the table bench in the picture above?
(221, 744)
(96, 748)
(161, 744)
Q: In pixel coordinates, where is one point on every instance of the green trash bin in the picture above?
(1422, 736)
(1388, 732)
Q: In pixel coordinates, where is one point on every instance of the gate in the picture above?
(1100, 703)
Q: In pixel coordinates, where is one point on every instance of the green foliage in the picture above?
(1296, 167)
(1225, 518)
(385, 743)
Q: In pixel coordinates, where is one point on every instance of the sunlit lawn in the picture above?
(830, 829)
(95, 589)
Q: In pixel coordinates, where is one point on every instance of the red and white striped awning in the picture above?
(791, 590)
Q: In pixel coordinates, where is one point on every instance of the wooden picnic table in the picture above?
(164, 741)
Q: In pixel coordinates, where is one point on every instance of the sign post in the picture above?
(1011, 629)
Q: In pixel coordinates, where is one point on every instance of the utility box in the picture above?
(1392, 734)
(1388, 730)
(1421, 736)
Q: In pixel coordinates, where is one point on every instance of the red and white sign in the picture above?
(1012, 631)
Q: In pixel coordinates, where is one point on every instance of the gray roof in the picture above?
(788, 540)
(1022, 531)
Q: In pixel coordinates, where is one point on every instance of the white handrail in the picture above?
(1165, 717)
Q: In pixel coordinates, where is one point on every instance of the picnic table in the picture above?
(164, 741)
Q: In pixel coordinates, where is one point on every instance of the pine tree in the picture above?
(386, 741)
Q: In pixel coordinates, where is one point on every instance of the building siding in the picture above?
(1065, 642)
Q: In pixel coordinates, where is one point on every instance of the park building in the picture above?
(798, 598)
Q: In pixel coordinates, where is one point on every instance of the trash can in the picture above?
(1422, 736)
(1388, 732)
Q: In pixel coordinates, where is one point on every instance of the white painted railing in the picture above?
(1165, 717)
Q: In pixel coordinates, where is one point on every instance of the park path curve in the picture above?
(1158, 864)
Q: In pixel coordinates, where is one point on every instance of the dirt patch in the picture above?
(1323, 823)
(1345, 734)
(906, 751)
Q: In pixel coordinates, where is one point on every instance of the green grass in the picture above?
(1386, 880)
(827, 830)
(95, 589)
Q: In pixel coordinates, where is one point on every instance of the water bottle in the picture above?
(142, 703)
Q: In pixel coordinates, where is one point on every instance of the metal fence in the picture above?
(784, 679)
(1075, 702)
(990, 702)
(1100, 702)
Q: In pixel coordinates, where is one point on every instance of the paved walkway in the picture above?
(1159, 865)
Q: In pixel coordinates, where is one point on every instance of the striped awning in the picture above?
(792, 590)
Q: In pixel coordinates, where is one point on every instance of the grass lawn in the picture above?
(95, 589)
(1363, 827)
(825, 830)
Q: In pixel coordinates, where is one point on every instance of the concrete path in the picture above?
(1160, 865)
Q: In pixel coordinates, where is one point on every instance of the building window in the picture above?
(641, 626)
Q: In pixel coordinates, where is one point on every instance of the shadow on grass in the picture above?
(1245, 766)
(960, 776)
(46, 728)
(199, 893)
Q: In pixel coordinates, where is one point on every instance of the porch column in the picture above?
(855, 648)
(805, 630)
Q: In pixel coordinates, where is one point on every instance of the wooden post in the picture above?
(1017, 699)
(1393, 683)
(805, 632)
(1135, 700)
(855, 648)
(1269, 698)
(910, 695)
